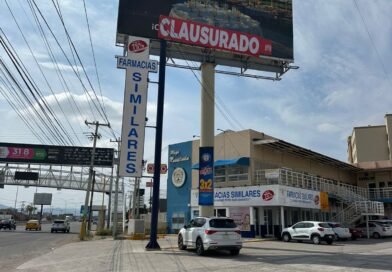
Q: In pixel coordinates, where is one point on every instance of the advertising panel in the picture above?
(267, 195)
(237, 22)
(137, 65)
(42, 199)
(324, 204)
(241, 216)
(206, 176)
(60, 155)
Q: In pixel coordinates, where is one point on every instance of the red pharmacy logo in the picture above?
(268, 195)
(137, 46)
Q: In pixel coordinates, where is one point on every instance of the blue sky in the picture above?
(343, 80)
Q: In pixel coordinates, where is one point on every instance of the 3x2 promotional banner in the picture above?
(206, 176)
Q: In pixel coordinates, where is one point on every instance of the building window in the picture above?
(220, 174)
(178, 220)
(220, 212)
(231, 173)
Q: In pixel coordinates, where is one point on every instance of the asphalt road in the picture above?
(18, 246)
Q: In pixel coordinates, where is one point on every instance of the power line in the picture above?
(372, 41)
(42, 73)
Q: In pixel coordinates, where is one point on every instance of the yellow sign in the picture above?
(324, 205)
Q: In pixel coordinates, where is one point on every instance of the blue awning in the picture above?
(236, 161)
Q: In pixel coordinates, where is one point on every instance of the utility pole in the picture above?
(82, 234)
(110, 202)
(115, 212)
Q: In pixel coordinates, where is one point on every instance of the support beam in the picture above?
(207, 116)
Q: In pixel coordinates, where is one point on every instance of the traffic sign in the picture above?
(150, 168)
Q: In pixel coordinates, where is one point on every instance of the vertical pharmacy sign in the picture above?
(137, 65)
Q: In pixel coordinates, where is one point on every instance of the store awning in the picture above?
(237, 161)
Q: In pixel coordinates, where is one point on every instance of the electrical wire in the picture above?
(42, 73)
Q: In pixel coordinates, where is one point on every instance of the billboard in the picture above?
(59, 155)
(231, 22)
(42, 199)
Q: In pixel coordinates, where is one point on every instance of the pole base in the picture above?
(153, 245)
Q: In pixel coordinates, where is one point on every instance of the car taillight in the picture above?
(320, 229)
(238, 231)
(209, 232)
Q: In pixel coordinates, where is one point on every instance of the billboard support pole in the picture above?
(153, 244)
(207, 116)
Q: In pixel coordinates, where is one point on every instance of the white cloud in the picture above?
(327, 128)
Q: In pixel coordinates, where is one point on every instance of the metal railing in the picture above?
(359, 208)
(346, 192)
(380, 193)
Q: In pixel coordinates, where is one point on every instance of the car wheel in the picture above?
(376, 235)
(51, 231)
(329, 241)
(199, 247)
(286, 237)
(234, 252)
(316, 239)
(180, 243)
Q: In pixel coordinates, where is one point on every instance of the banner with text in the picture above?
(268, 195)
(137, 65)
(206, 176)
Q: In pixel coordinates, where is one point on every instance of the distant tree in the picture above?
(30, 209)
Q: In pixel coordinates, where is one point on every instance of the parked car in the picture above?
(341, 232)
(7, 224)
(376, 229)
(210, 233)
(356, 233)
(60, 225)
(33, 225)
(309, 231)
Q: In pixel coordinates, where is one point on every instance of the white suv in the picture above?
(210, 233)
(309, 230)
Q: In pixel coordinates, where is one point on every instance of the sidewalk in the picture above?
(114, 255)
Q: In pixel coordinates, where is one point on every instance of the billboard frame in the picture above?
(273, 64)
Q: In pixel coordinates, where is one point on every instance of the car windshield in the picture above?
(222, 223)
(59, 221)
(324, 225)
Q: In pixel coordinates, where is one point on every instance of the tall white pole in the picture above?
(207, 116)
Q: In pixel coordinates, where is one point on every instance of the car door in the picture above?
(188, 233)
(298, 231)
(307, 230)
(198, 229)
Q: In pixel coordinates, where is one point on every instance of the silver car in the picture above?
(341, 232)
(60, 225)
(376, 229)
